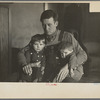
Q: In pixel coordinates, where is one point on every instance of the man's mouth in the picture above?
(38, 49)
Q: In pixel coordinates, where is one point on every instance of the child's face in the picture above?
(39, 45)
(65, 52)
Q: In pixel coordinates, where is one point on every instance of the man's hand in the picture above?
(27, 69)
(72, 72)
(62, 74)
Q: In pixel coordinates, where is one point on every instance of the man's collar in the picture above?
(51, 37)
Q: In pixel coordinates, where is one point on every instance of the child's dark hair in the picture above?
(37, 37)
(65, 45)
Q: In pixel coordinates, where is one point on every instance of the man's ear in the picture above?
(71, 50)
(56, 23)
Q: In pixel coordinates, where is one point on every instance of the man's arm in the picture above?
(78, 58)
(21, 56)
(73, 61)
(80, 55)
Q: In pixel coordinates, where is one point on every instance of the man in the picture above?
(49, 20)
(53, 35)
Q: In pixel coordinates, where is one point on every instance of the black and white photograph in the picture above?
(49, 43)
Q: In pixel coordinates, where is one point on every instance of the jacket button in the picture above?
(31, 53)
(38, 55)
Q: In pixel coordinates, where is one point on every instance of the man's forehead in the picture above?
(48, 19)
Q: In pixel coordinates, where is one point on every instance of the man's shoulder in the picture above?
(64, 34)
(26, 48)
(67, 33)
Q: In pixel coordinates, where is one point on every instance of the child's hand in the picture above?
(27, 69)
(36, 64)
(72, 72)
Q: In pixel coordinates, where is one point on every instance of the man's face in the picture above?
(39, 45)
(65, 52)
(49, 25)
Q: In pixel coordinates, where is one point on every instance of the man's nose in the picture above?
(46, 27)
(63, 55)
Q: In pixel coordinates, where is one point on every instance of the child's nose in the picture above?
(38, 46)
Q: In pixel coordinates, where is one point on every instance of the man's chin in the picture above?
(48, 33)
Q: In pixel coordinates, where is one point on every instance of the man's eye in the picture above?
(35, 44)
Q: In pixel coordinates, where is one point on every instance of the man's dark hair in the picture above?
(37, 37)
(65, 45)
(48, 14)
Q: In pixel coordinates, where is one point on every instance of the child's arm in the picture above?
(36, 64)
(62, 74)
(71, 73)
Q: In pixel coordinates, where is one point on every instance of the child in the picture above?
(66, 52)
(68, 59)
(33, 61)
(57, 56)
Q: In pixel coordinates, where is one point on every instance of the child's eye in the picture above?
(35, 44)
(41, 44)
(49, 24)
(66, 52)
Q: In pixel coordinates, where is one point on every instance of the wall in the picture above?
(90, 31)
(4, 42)
(90, 25)
(93, 27)
(90, 21)
(25, 22)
